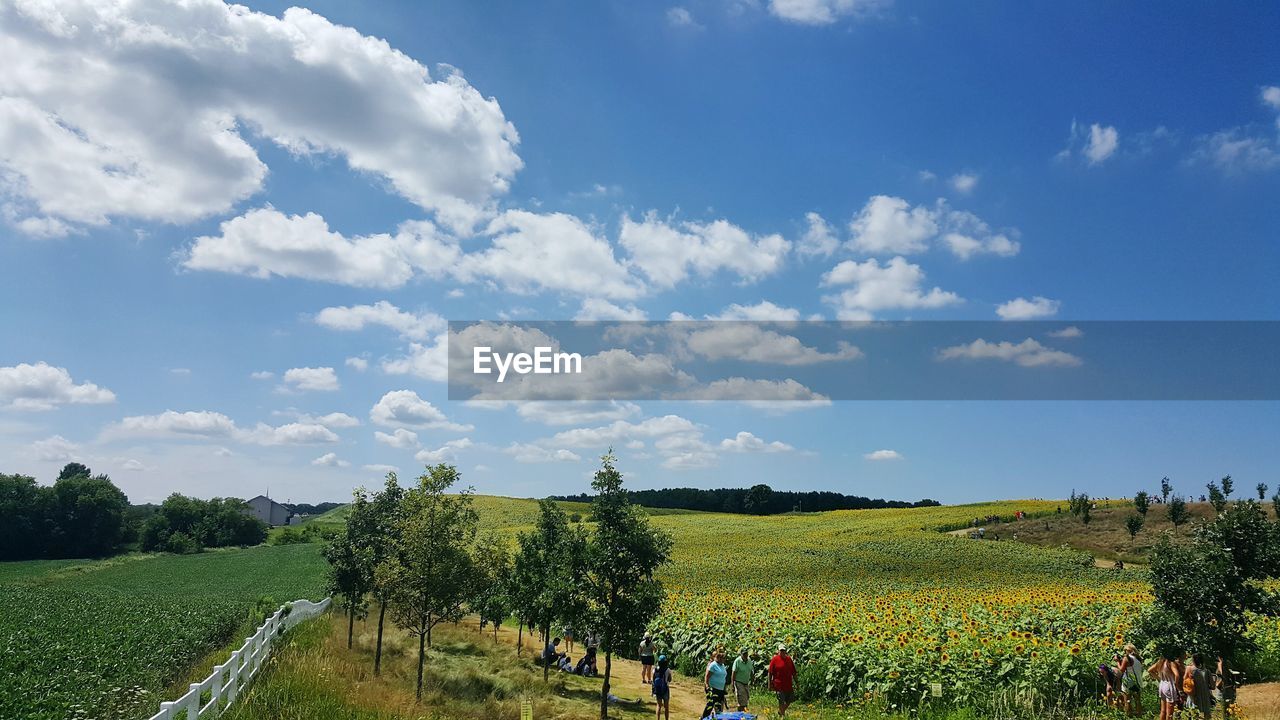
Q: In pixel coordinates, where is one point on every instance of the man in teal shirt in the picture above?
(715, 681)
(742, 672)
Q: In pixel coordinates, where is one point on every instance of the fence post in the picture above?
(215, 689)
(166, 708)
(193, 701)
(233, 677)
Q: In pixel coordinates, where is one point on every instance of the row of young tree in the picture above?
(418, 555)
(1176, 508)
(80, 515)
(756, 500)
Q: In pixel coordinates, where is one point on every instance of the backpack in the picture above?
(660, 682)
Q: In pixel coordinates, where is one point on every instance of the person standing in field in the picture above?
(1195, 685)
(1130, 681)
(1169, 671)
(662, 689)
(741, 672)
(646, 659)
(715, 681)
(568, 637)
(782, 676)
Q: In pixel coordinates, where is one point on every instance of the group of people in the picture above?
(1183, 684)
(552, 656)
(718, 679)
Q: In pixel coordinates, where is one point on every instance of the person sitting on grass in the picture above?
(586, 666)
(661, 689)
(551, 653)
(565, 663)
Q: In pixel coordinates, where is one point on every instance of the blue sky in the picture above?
(184, 192)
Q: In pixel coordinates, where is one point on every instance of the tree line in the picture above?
(757, 500)
(417, 554)
(82, 515)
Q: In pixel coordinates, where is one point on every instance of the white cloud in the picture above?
(1067, 333)
(526, 453)
(132, 465)
(1236, 152)
(409, 325)
(1028, 353)
(306, 379)
(405, 408)
(667, 252)
(773, 395)
(141, 110)
(208, 425)
(964, 183)
(763, 311)
(331, 420)
(429, 362)
(55, 449)
(896, 285)
(620, 430)
(446, 453)
(330, 460)
(745, 442)
(889, 225)
(881, 455)
(532, 252)
(1024, 309)
(575, 412)
(380, 469)
(401, 438)
(822, 12)
(262, 375)
(819, 237)
(681, 17)
(43, 387)
(358, 364)
(264, 242)
(749, 342)
(598, 309)
(1102, 143)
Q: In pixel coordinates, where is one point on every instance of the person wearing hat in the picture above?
(662, 689)
(646, 659)
(782, 675)
(741, 672)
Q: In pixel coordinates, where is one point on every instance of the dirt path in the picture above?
(687, 698)
(1260, 701)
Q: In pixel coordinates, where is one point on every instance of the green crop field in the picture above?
(103, 639)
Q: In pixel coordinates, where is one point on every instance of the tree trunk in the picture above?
(351, 624)
(377, 656)
(520, 637)
(604, 688)
(429, 626)
(422, 658)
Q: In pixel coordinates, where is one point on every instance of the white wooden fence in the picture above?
(209, 697)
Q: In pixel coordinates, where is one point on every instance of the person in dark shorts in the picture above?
(662, 689)
(647, 649)
(716, 682)
(782, 676)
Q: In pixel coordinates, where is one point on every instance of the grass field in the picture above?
(105, 639)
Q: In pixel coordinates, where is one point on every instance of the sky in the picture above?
(231, 237)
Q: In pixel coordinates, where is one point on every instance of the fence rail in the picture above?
(209, 697)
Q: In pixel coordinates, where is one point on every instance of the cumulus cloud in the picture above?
(896, 285)
(1067, 332)
(330, 460)
(306, 379)
(55, 449)
(43, 387)
(358, 364)
(575, 412)
(889, 225)
(881, 455)
(823, 12)
(142, 110)
(621, 430)
(401, 438)
(426, 361)
(819, 237)
(598, 309)
(1028, 353)
(1024, 309)
(669, 251)
(763, 311)
(528, 453)
(1102, 144)
(445, 453)
(964, 183)
(681, 17)
(405, 409)
(745, 442)
(749, 342)
(214, 425)
(413, 326)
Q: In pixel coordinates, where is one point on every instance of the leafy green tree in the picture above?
(219, 522)
(1142, 503)
(624, 554)
(1205, 590)
(351, 562)
(1081, 506)
(1216, 498)
(757, 499)
(1134, 524)
(561, 566)
(1178, 512)
(1262, 491)
(430, 575)
(1165, 488)
(525, 592)
(492, 560)
(24, 518)
(382, 539)
(1275, 504)
(90, 515)
(1228, 485)
(74, 469)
